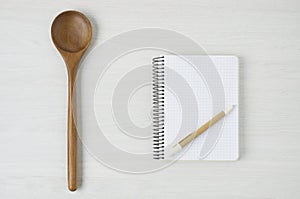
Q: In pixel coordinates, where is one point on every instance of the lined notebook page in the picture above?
(197, 88)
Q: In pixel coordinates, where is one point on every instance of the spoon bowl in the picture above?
(71, 33)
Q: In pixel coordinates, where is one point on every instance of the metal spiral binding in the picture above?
(158, 107)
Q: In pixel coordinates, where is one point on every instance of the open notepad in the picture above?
(187, 92)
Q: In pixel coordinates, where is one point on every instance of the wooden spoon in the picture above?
(71, 33)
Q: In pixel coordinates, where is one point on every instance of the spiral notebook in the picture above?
(187, 92)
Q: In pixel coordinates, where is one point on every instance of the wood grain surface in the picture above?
(33, 92)
(71, 33)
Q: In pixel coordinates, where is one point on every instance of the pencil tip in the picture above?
(229, 109)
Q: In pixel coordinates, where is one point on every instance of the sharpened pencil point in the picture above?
(229, 109)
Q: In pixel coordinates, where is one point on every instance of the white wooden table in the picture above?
(263, 34)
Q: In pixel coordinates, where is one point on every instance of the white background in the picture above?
(263, 34)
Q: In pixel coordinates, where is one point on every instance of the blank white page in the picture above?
(196, 89)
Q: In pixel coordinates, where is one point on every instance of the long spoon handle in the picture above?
(72, 136)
